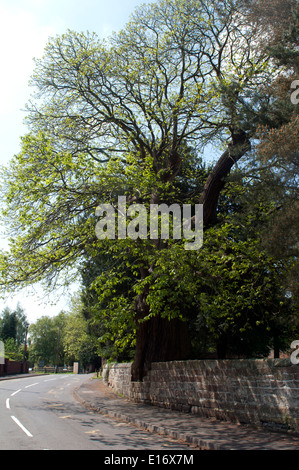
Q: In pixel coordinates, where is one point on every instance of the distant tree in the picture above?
(79, 345)
(13, 324)
(12, 350)
(46, 335)
(8, 324)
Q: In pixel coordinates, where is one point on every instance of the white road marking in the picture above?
(32, 385)
(21, 426)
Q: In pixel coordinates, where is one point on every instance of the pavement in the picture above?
(20, 376)
(198, 432)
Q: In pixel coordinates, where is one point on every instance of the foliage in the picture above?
(109, 279)
(13, 326)
(13, 351)
(230, 291)
(275, 163)
(78, 344)
(111, 118)
(108, 305)
(45, 338)
(65, 333)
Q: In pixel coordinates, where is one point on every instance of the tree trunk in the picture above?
(221, 346)
(157, 339)
(216, 180)
(276, 345)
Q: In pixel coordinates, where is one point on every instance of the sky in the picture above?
(25, 26)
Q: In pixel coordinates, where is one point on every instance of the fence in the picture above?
(13, 367)
(53, 369)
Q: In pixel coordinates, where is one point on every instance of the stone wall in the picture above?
(118, 377)
(245, 391)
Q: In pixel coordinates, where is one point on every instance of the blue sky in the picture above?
(25, 26)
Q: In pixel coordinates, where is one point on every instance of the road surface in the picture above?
(41, 413)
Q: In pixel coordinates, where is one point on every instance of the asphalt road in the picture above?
(41, 413)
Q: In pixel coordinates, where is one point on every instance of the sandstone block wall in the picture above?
(246, 391)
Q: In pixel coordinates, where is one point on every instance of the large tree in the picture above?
(112, 118)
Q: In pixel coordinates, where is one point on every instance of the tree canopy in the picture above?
(110, 118)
